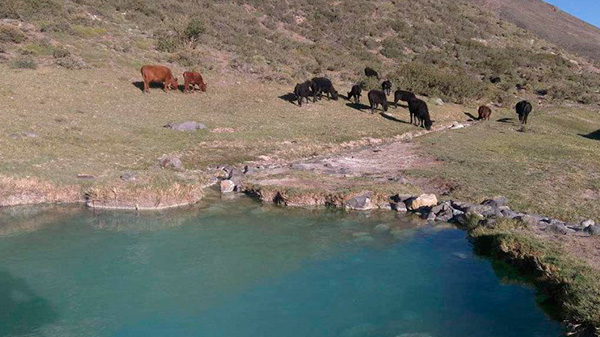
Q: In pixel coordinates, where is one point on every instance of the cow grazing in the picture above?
(191, 79)
(370, 72)
(420, 111)
(386, 86)
(355, 93)
(377, 97)
(158, 74)
(302, 90)
(523, 109)
(322, 85)
(484, 112)
(402, 95)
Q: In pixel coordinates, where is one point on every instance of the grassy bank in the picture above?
(567, 283)
(550, 169)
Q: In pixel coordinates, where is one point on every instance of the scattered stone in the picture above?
(593, 230)
(360, 203)
(431, 216)
(385, 205)
(507, 213)
(227, 186)
(496, 201)
(128, 176)
(23, 134)
(587, 223)
(445, 215)
(456, 125)
(189, 126)
(462, 206)
(399, 207)
(424, 200)
(236, 175)
(558, 228)
(170, 161)
(528, 220)
(381, 228)
(438, 101)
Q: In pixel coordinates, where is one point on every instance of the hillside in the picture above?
(439, 48)
(550, 23)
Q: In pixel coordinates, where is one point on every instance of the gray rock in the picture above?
(385, 205)
(496, 201)
(227, 186)
(360, 203)
(189, 126)
(593, 230)
(172, 162)
(445, 215)
(439, 208)
(528, 220)
(236, 175)
(587, 223)
(461, 206)
(128, 176)
(438, 101)
(399, 207)
(507, 213)
(558, 228)
(431, 216)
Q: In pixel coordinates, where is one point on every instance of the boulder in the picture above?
(431, 216)
(461, 206)
(558, 228)
(189, 126)
(445, 215)
(360, 203)
(236, 175)
(496, 201)
(528, 220)
(172, 162)
(587, 223)
(399, 207)
(227, 186)
(593, 230)
(424, 200)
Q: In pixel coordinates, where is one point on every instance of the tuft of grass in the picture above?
(24, 62)
(11, 34)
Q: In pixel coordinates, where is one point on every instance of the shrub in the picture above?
(24, 62)
(10, 34)
(194, 28)
(60, 52)
(72, 62)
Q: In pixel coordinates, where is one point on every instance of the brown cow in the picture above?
(158, 74)
(191, 79)
(484, 112)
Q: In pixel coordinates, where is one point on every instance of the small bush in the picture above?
(56, 27)
(10, 34)
(72, 63)
(60, 52)
(194, 28)
(24, 62)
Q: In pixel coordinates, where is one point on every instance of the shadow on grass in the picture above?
(392, 118)
(471, 116)
(153, 85)
(360, 107)
(592, 135)
(505, 120)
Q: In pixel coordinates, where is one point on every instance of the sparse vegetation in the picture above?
(24, 62)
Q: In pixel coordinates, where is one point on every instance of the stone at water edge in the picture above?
(227, 186)
(360, 203)
(424, 200)
(399, 207)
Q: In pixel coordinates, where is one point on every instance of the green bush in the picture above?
(10, 34)
(24, 62)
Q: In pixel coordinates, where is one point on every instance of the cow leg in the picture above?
(146, 86)
(299, 100)
(166, 86)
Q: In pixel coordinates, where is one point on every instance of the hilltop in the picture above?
(443, 48)
(550, 23)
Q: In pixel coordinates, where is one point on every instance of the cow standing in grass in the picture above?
(402, 95)
(370, 72)
(376, 98)
(158, 74)
(523, 109)
(191, 79)
(419, 110)
(355, 93)
(386, 86)
(302, 91)
(484, 113)
(320, 85)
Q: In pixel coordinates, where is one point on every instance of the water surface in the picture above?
(238, 268)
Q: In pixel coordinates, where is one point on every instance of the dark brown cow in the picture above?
(484, 112)
(158, 74)
(192, 79)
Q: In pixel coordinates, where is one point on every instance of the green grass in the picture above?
(568, 284)
(550, 169)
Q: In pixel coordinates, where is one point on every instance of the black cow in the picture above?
(387, 87)
(370, 72)
(322, 85)
(420, 111)
(302, 90)
(402, 95)
(355, 93)
(523, 109)
(377, 97)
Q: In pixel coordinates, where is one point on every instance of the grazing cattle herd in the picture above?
(319, 86)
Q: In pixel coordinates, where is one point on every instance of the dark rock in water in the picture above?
(189, 126)
(360, 203)
(558, 228)
(593, 230)
(172, 162)
(128, 176)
